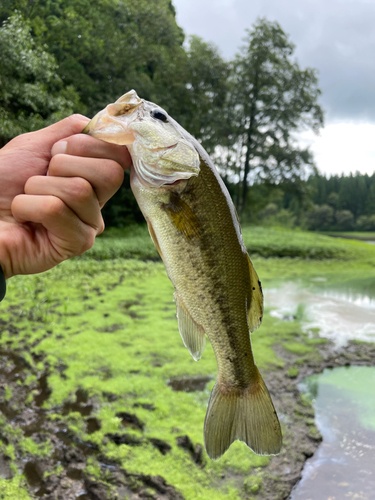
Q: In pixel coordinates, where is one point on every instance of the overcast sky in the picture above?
(337, 37)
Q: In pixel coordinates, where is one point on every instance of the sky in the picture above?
(337, 37)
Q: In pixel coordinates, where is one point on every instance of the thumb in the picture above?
(71, 125)
(42, 140)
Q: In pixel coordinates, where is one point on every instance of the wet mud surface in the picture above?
(54, 460)
(57, 469)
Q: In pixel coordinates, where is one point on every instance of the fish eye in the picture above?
(159, 115)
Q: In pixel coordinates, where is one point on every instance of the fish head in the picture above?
(161, 150)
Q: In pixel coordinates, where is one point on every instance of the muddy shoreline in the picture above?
(58, 465)
(301, 437)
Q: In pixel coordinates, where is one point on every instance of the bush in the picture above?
(344, 220)
(321, 218)
(366, 223)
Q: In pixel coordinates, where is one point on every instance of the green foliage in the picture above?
(320, 217)
(273, 97)
(32, 95)
(104, 49)
(135, 242)
(343, 203)
(206, 77)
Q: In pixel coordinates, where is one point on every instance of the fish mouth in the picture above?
(174, 183)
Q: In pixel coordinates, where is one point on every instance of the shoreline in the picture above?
(302, 438)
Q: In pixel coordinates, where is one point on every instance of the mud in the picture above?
(189, 383)
(61, 473)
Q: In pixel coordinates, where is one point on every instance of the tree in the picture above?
(320, 218)
(32, 95)
(344, 220)
(105, 48)
(272, 98)
(205, 82)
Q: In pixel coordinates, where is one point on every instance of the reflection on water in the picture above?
(343, 466)
(341, 313)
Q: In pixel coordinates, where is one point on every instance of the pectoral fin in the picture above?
(183, 218)
(192, 334)
(154, 238)
(255, 299)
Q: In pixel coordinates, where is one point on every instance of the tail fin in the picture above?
(247, 415)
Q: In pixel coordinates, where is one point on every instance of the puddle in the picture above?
(341, 312)
(343, 466)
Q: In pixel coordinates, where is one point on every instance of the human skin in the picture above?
(53, 184)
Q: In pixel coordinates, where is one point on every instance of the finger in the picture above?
(75, 192)
(41, 141)
(68, 235)
(85, 145)
(104, 175)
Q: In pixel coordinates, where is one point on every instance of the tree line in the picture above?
(336, 203)
(64, 56)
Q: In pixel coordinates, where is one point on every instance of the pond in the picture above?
(343, 466)
(341, 311)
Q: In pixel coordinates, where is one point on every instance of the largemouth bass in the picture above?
(193, 223)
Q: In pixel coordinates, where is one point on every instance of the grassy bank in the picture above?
(100, 354)
(135, 242)
(355, 235)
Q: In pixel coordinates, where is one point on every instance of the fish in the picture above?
(195, 228)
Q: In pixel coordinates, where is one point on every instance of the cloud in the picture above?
(337, 37)
(343, 148)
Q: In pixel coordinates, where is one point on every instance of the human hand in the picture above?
(53, 184)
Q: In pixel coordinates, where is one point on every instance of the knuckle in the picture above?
(53, 207)
(87, 241)
(81, 189)
(101, 226)
(113, 175)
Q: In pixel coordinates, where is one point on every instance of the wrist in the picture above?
(2, 284)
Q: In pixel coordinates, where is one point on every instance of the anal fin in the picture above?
(192, 334)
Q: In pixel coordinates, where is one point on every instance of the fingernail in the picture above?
(59, 148)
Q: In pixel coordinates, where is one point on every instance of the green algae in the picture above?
(11, 489)
(108, 327)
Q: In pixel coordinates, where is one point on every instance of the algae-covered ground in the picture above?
(99, 399)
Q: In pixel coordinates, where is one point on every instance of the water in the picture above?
(341, 312)
(343, 468)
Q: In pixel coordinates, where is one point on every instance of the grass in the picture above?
(110, 321)
(135, 242)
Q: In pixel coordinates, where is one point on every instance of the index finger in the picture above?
(89, 147)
